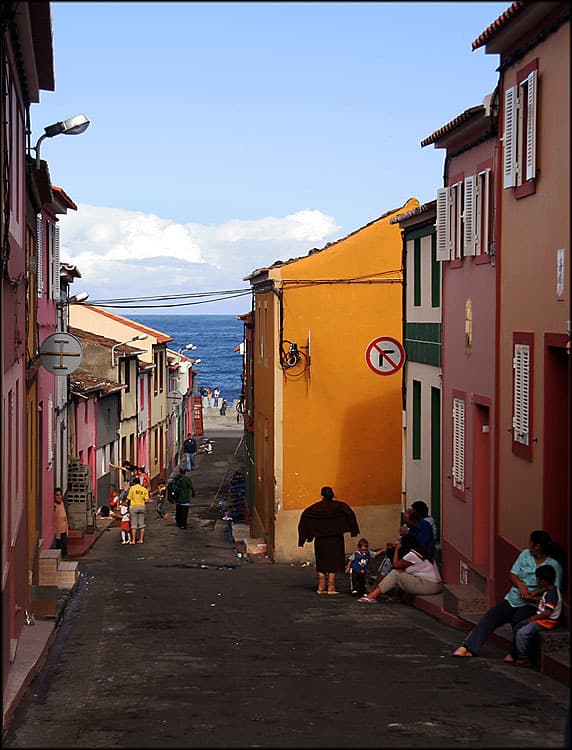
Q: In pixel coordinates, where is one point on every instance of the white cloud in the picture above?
(122, 253)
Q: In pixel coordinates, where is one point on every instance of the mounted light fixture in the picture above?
(186, 348)
(140, 337)
(72, 126)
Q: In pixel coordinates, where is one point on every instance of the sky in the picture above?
(226, 136)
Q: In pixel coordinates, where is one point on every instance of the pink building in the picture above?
(27, 68)
(466, 249)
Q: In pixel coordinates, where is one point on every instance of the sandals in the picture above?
(462, 651)
(333, 593)
(321, 591)
(366, 600)
(509, 659)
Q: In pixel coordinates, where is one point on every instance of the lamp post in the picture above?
(186, 348)
(139, 337)
(72, 126)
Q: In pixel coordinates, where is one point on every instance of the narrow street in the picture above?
(180, 643)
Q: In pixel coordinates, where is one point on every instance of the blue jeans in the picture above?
(524, 637)
(498, 615)
(190, 461)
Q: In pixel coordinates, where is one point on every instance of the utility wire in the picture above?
(130, 303)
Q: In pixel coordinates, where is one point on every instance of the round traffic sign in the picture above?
(385, 355)
(61, 353)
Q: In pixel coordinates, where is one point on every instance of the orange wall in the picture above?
(342, 422)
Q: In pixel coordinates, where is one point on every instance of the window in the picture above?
(522, 408)
(416, 421)
(417, 272)
(127, 374)
(458, 468)
(50, 431)
(435, 274)
(519, 135)
(40, 253)
(142, 394)
(463, 217)
(482, 220)
(450, 222)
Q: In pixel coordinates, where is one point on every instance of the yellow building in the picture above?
(327, 406)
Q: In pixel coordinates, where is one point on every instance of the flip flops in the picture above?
(333, 593)
(321, 591)
(462, 651)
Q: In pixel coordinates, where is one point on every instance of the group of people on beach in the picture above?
(533, 603)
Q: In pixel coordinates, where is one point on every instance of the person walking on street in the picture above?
(326, 522)
(223, 405)
(61, 527)
(190, 451)
(137, 498)
(184, 492)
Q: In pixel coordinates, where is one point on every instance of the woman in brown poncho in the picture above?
(326, 522)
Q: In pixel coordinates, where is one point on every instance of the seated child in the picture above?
(357, 566)
(546, 617)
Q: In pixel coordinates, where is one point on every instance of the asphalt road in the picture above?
(179, 643)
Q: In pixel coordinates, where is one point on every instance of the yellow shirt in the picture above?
(138, 496)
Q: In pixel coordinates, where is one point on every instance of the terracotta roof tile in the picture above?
(83, 382)
(499, 24)
(425, 208)
(468, 114)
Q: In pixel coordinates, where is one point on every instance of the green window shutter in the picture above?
(417, 272)
(435, 274)
(416, 437)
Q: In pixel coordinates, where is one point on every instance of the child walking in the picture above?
(546, 617)
(125, 522)
(357, 566)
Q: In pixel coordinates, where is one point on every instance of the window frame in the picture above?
(520, 132)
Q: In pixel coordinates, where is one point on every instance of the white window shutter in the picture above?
(56, 275)
(520, 419)
(469, 216)
(458, 470)
(443, 252)
(509, 138)
(453, 221)
(531, 128)
(483, 227)
(39, 254)
(50, 430)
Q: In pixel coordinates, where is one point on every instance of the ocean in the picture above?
(215, 337)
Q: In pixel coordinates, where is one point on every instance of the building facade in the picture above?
(326, 411)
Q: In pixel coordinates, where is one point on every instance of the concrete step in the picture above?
(67, 575)
(462, 598)
(49, 559)
(44, 601)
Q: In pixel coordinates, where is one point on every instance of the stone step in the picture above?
(44, 601)
(462, 598)
(68, 574)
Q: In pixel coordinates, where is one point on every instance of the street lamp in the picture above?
(72, 126)
(140, 337)
(186, 348)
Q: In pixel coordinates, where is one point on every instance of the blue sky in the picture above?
(225, 136)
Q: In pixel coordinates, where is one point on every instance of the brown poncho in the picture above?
(327, 521)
